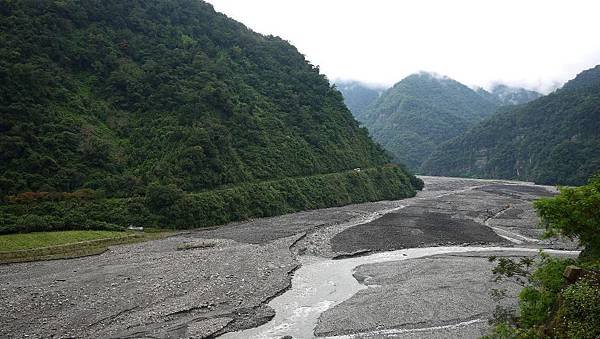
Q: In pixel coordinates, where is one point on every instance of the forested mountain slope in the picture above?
(422, 111)
(120, 96)
(554, 139)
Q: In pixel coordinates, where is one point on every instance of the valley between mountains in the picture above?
(408, 268)
(168, 169)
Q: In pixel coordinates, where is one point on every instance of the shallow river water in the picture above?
(320, 284)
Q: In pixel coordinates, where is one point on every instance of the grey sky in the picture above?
(530, 43)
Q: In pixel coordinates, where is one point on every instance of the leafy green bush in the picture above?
(162, 197)
(538, 298)
(575, 213)
(549, 307)
(578, 315)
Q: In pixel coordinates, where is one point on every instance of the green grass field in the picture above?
(21, 247)
(25, 241)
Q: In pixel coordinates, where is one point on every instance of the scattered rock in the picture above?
(572, 273)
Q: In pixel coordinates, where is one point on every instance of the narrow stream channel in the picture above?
(323, 283)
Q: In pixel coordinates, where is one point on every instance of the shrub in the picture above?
(575, 213)
(30, 197)
(541, 287)
(548, 306)
(162, 197)
(578, 315)
(169, 206)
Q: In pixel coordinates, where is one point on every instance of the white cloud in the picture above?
(536, 44)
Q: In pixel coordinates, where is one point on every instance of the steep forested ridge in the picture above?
(106, 94)
(113, 96)
(554, 139)
(422, 111)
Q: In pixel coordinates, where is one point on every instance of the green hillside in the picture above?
(105, 103)
(554, 139)
(421, 112)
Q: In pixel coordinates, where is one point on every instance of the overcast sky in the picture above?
(534, 44)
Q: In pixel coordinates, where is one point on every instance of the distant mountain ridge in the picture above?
(554, 139)
(357, 95)
(508, 95)
(420, 112)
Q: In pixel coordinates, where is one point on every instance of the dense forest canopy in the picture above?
(554, 139)
(106, 102)
(113, 95)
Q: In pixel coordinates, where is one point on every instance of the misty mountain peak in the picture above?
(508, 95)
(426, 76)
(420, 112)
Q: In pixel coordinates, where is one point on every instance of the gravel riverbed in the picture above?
(231, 275)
